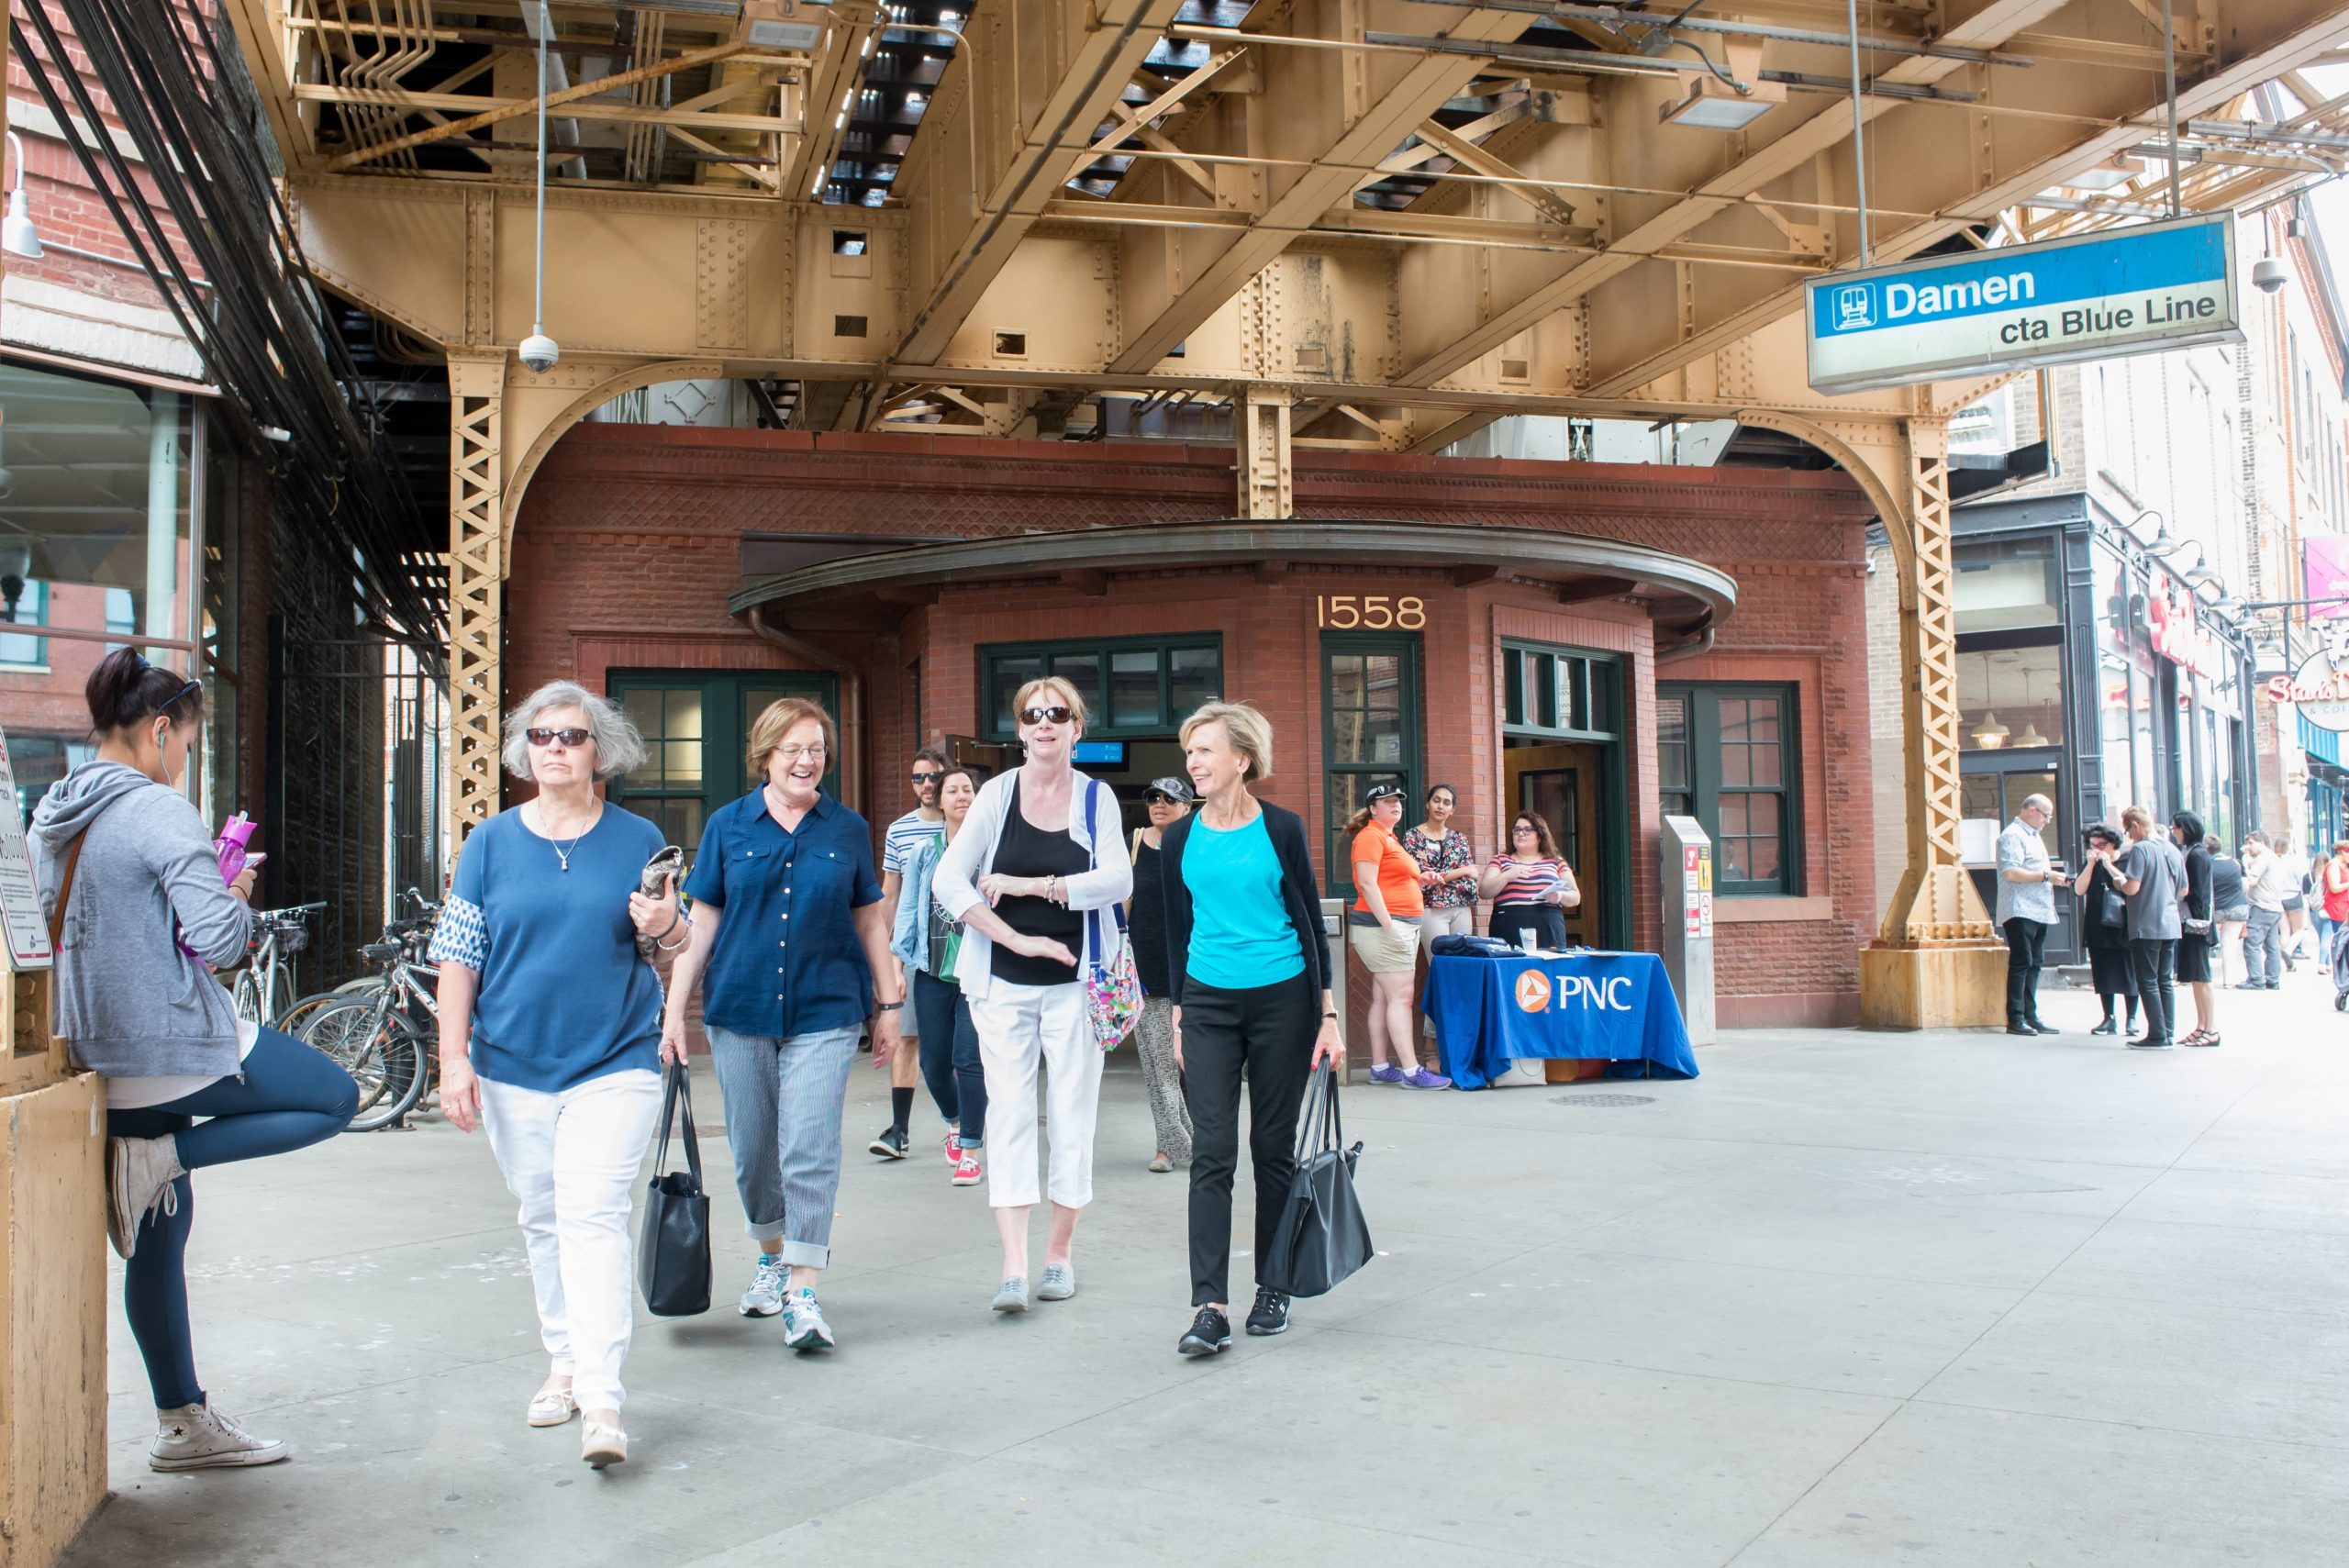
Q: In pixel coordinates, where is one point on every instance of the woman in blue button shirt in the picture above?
(789, 927)
(1249, 959)
(550, 1034)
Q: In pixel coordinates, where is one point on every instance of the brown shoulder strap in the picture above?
(64, 892)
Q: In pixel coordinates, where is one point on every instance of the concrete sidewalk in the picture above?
(1847, 1299)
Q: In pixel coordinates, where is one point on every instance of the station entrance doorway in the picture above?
(1562, 758)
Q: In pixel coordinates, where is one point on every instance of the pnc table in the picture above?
(1612, 1006)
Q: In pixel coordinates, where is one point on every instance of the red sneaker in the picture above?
(953, 1147)
(966, 1171)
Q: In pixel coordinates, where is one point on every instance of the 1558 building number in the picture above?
(1371, 612)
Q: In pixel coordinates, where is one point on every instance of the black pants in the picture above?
(1267, 1032)
(949, 1052)
(1546, 921)
(2155, 958)
(2026, 942)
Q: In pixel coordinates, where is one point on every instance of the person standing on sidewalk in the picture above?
(2104, 927)
(2299, 875)
(2027, 882)
(2331, 897)
(551, 1035)
(922, 825)
(1168, 801)
(1447, 880)
(2267, 879)
(2231, 904)
(2197, 926)
(1383, 927)
(927, 943)
(791, 931)
(1251, 965)
(124, 862)
(2152, 879)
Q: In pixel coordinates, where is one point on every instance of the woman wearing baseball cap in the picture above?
(1169, 801)
(1384, 929)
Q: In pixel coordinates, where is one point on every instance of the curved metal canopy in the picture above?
(1690, 593)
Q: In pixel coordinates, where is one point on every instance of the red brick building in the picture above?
(879, 566)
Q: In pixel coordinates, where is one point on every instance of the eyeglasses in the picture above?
(925, 778)
(793, 753)
(1521, 831)
(1055, 714)
(574, 738)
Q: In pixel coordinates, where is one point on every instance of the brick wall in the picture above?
(629, 546)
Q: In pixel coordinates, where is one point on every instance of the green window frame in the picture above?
(1372, 730)
(1729, 754)
(696, 724)
(28, 650)
(1136, 687)
(1557, 693)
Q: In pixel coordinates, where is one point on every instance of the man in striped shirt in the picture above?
(924, 822)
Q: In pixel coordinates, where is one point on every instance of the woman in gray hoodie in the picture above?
(127, 855)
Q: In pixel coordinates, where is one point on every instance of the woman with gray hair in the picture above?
(550, 1034)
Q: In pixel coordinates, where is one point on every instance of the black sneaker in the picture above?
(892, 1144)
(2107, 1026)
(1210, 1332)
(1270, 1315)
(2023, 1029)
(2044, 1027)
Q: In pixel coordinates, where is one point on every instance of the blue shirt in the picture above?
(1241, 934)
(787, 960)
(2021, 849)
(563, 996)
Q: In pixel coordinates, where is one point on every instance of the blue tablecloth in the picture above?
(1615, 1007)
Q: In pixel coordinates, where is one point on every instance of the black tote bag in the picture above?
(672, 1254)
(1322, 1236)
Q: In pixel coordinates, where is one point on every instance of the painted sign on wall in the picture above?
(2162, 286)
(2177, 631)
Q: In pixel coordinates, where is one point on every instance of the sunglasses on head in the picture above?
(548, 736)
(1039, 714)
(925, 778)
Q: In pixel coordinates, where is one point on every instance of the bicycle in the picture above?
(278, 934)
(382, 1032)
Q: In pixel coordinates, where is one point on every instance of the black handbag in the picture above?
(1322, 1236)
(672, 1254)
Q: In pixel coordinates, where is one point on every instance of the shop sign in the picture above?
(2324, 564)
(2177, 632)
(19, 897)
(2321, 686)
(2160, 286)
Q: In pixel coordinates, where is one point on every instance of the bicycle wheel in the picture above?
(353, 1030)
(402, 1051)
(246, 998)
(296, 1019)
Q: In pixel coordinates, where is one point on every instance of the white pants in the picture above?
(572, 1159)
(1017, 1026)
(1460, 921)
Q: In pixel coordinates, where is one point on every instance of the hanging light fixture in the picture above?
(1991, 735)
(539, 352)
(17, 235)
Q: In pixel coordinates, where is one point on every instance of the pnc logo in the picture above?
(1607, 993)
(1533, 991)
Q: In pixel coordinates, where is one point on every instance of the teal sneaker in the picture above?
(804, 1328)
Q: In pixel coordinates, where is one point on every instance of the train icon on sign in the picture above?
(1854, 307)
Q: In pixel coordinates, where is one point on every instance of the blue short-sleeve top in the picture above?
(563, 996)
(788, 961)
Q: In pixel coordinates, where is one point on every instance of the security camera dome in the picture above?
(540, 351)
(2269, 274)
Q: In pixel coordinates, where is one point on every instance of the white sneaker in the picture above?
(764, 1296)
(139, 1173)
(197, 1437)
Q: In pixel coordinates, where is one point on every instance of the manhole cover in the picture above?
(1602, 1099)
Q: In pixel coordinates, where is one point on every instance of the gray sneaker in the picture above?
(197, 1437)
(1011, 1295)
(804, 1328)
(764, 1296)
(1058, 1284)
(139, 1173)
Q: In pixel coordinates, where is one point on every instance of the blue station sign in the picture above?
(2162, 285)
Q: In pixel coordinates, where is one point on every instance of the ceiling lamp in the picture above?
(2108, 175)
(770, 24)
(1728, 100)
(1992, 734)
(539, 352)
(2031, 736)
(17, 235)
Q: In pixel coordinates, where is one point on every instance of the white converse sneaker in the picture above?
(197, 1437)
(139, 1173)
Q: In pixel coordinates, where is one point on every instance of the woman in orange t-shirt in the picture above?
(1384, 929)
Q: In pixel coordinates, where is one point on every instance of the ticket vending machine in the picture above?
(1687, 882)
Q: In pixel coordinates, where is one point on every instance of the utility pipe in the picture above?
(852, 700)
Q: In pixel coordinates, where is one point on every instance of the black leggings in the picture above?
(948, 1049)
(1266, 1032)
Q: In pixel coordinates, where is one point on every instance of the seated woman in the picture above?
(1531, 885)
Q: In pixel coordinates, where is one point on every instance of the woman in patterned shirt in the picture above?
(1447, 870)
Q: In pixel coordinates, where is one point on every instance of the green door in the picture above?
(696, 724)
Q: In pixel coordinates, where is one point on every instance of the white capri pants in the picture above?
(1018, 1026)
(572, 1158)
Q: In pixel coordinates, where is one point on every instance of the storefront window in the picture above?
(1370, 728)
(2010, 699)
(1736, 767)
(2005, 584)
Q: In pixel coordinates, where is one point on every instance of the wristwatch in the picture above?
(889, 1006)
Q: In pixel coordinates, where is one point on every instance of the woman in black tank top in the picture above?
(1026, 851)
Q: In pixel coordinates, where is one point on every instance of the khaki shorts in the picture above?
(1383, 954)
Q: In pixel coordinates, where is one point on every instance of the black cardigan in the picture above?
(1300, 892)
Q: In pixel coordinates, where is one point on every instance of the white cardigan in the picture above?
(971, 855)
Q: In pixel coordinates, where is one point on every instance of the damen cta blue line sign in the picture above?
(2162, 285)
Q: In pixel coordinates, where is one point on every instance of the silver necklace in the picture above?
(561, 853)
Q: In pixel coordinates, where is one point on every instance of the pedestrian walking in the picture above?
(551, 1035)
(2332, 893)
(1039, 851)
(2026, 908)
(2197, 926)
(1168, 800)
(1250, 965)
(2268, 880)
(2152, 880)
(1531, 885)
(2232, 900)
(1447, 864)
(2104, 922)
(922, 825)
(2299, 874)
(128, 874)
(927, 945)
(790, 940)
(1383, 927)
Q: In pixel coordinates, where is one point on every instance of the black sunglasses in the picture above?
(1055, 714)
(1155, 798)
(568, 737)
(925, 778)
